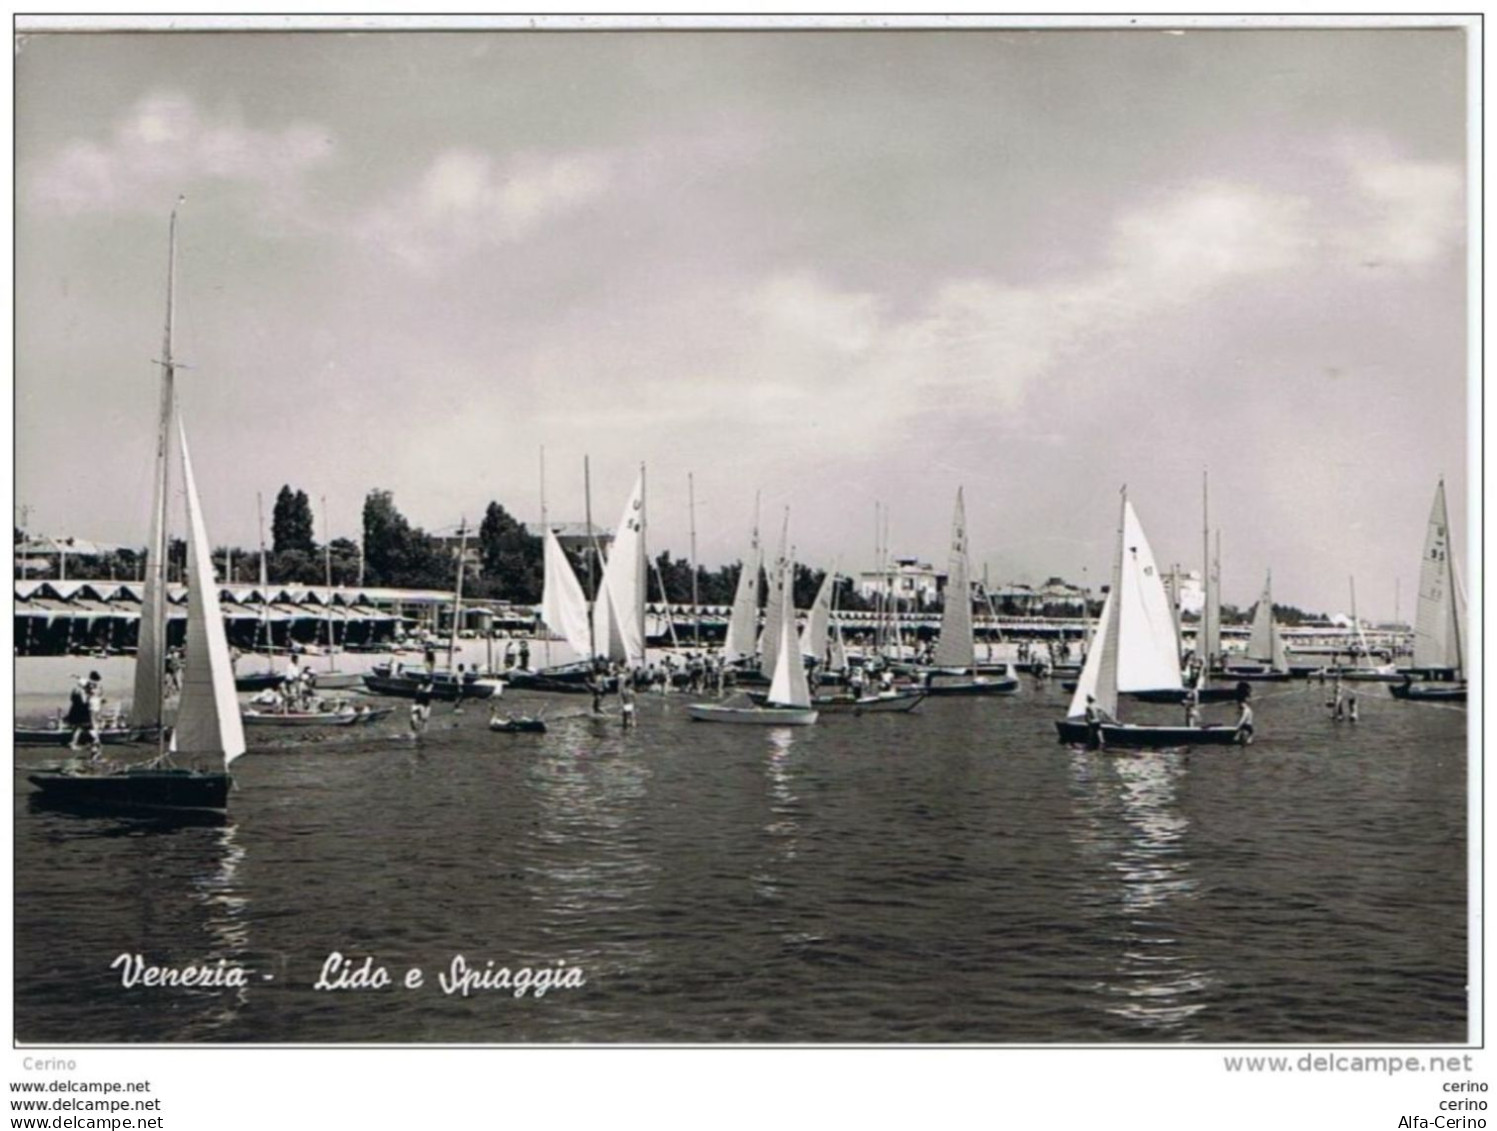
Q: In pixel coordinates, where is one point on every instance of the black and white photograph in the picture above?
(811, 533)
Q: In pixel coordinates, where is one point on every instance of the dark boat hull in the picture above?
(518, 726)
(1262, 677)
(443, 686)
(1429, 692)
(54, 736)
(897, 703)
(258, 681)
(136, 789)
(1130, 737)
(978, 685)
(1220, 693)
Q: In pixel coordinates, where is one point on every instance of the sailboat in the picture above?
(789, 700)
(1265, 644)
(269, 678)
(1363, 669)
(1135, 649)
(743, 623)
(208, 733)
(450, 686)
(952, 670)
(1439, 623)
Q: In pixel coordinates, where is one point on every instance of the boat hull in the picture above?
(1429, 692)
(443, 686)
(753, 716)
(315, 718)
(977, 685)
(1219, 693)
(62, 736)
(136, 789)
(518, 726)
(897, 702)
(258, 681)
(1074, 732)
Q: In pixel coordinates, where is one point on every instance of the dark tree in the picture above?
(397, 555)
(512, 558)
(291, 522)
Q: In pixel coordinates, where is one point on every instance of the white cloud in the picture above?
(165, 144)
(1409, 213)
(466, 199)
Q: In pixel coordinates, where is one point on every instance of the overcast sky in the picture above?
(838, 267)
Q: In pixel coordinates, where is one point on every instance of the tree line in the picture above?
(507, 563)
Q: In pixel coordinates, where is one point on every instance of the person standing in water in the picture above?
(626, 702)
(421, 708)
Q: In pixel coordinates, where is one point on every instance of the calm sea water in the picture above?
(950, 875)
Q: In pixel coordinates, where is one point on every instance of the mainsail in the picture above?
(779, 604)
(813, 641)
(788, 687)
(1439, 620)
(745, 617)
(954, 649)
(1265, 642)
(618, 612)
(1135, 648)
(208, 722)
(563, 604)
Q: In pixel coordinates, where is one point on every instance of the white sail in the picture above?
(778, 606)
(1260, 642)
(208, 723)
(788, 687)
(1147, 650)
(954, 648)
(1438, 619)
(1089, 682)
(813, 641)
(563, 604)
(619, 610)
(745, 617)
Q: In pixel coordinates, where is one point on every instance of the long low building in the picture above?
(59, 617)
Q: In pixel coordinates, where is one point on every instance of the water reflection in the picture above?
(226, 919)
(1134, 833)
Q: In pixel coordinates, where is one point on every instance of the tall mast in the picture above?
(643, 567)
(327, 565)
(151, 647)
(592, 592)
(696, 605)
(457, 603)
(545, 531)
(1204, 641)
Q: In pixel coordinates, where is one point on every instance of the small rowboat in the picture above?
(346, 716)
(517, 724)
(54, 734)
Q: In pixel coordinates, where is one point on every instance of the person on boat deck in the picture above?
(421, 707)
(80, 714)
(1244, 722)
(1192, 708)
(524, 655)
(1093, 717)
